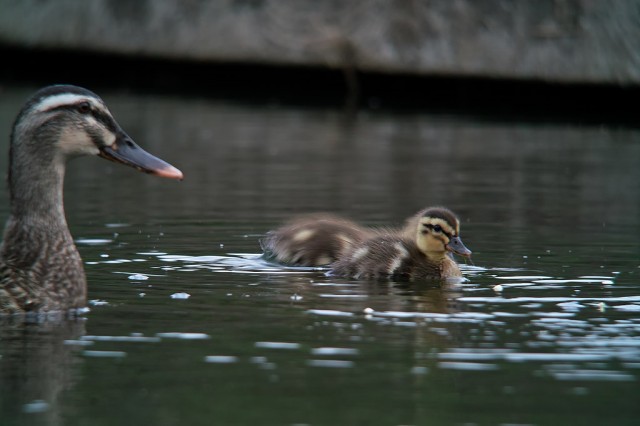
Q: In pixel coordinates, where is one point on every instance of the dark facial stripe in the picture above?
(442, 230)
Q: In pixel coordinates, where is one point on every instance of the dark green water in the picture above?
(545, 330)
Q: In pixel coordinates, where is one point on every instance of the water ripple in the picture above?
(277, 345)
(490, 299)
(334, 351)
(330, 363)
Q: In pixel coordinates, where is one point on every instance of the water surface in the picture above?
(188, 325)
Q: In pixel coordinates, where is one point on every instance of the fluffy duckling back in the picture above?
(313, 240)
(436, 232)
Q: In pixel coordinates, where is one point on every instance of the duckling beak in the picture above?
(456, 246)
(125, 151)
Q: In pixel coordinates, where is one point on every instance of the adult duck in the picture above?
(40, 267)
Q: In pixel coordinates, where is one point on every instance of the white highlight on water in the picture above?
(221, 359)
(35, 406)
(334, 351)
(277, 345)
(183, 336)
(181, 295)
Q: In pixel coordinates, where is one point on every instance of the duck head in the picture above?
(439, 232)
(64, 121)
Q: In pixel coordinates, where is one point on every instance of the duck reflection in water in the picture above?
(37, 366)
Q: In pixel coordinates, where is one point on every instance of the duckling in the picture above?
(436, 232)
(40, 267)
(315, 239)
(319, 239)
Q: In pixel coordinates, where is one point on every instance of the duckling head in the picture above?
(439, 232)
(64, 121)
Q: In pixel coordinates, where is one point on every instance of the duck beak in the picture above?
(125, 151)
(456, 246)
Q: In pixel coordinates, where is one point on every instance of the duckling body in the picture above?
(388, 256)
(313, 240)
(40, 267)
(397, 256)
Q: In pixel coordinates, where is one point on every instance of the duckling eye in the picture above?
(437, 228)
(84, 108)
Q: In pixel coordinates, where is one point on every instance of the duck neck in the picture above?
(35, 192)
(36, 237)
(436, 257)
(36, 179)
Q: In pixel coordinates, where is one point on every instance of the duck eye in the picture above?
(84, 108)
(437, 228)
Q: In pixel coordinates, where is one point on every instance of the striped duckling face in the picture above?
(439, 232)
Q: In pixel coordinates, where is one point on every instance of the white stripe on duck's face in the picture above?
(79, 137)
(67, 99)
